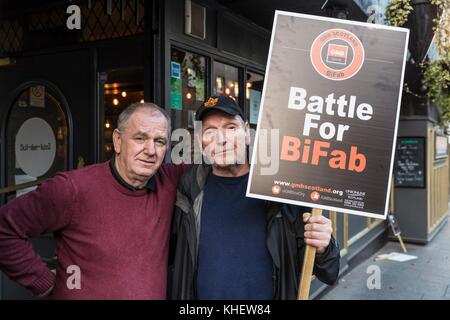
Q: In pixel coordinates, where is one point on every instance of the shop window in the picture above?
(226, 80)
(36, 137)
(46, 27)
(253, 94)
(119, 89)
(187, 87)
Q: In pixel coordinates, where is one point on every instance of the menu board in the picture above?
(409, 168)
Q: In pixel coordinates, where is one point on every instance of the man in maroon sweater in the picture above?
(111, 220)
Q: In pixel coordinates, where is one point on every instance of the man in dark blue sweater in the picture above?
(227, 246)
(233, 260)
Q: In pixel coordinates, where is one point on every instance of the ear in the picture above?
(117, 141)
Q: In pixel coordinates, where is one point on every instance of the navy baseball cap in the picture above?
(225, 104)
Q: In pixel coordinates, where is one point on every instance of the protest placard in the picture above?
(329, 114)
(328, 121)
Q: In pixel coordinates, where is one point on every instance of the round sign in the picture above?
(337, 54)
(35, 147)
(276, 190)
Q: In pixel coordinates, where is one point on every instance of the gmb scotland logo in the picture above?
(337, 54)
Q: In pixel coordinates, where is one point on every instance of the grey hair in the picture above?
(126, 114)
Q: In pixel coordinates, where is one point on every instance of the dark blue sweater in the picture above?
(233, 261)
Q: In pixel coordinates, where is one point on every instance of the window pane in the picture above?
(187, 87)
(226, 80)
(36, 137)
(120, 88)
(253, 92)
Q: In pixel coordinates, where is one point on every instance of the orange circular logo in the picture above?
(276, 189)
(337, 54)
(315, 196)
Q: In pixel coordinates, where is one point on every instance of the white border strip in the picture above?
(394, 142)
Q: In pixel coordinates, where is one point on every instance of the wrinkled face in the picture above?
(224, 139)
(142, 146)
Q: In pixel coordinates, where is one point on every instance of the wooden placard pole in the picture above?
(399, 237)
(308, 266)
(392, 208)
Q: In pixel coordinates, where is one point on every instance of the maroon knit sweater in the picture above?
(117, 237)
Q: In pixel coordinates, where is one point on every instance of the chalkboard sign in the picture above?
(409, 166)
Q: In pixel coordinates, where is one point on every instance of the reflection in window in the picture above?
(36, 137)
(226, 80)
(253, 92)
(187, 87)
(120, 88)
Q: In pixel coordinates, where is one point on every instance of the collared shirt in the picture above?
(150, 186)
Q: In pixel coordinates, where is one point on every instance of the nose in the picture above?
(149, 148)
(221, 137)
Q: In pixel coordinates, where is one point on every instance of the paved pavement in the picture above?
(427, 277)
